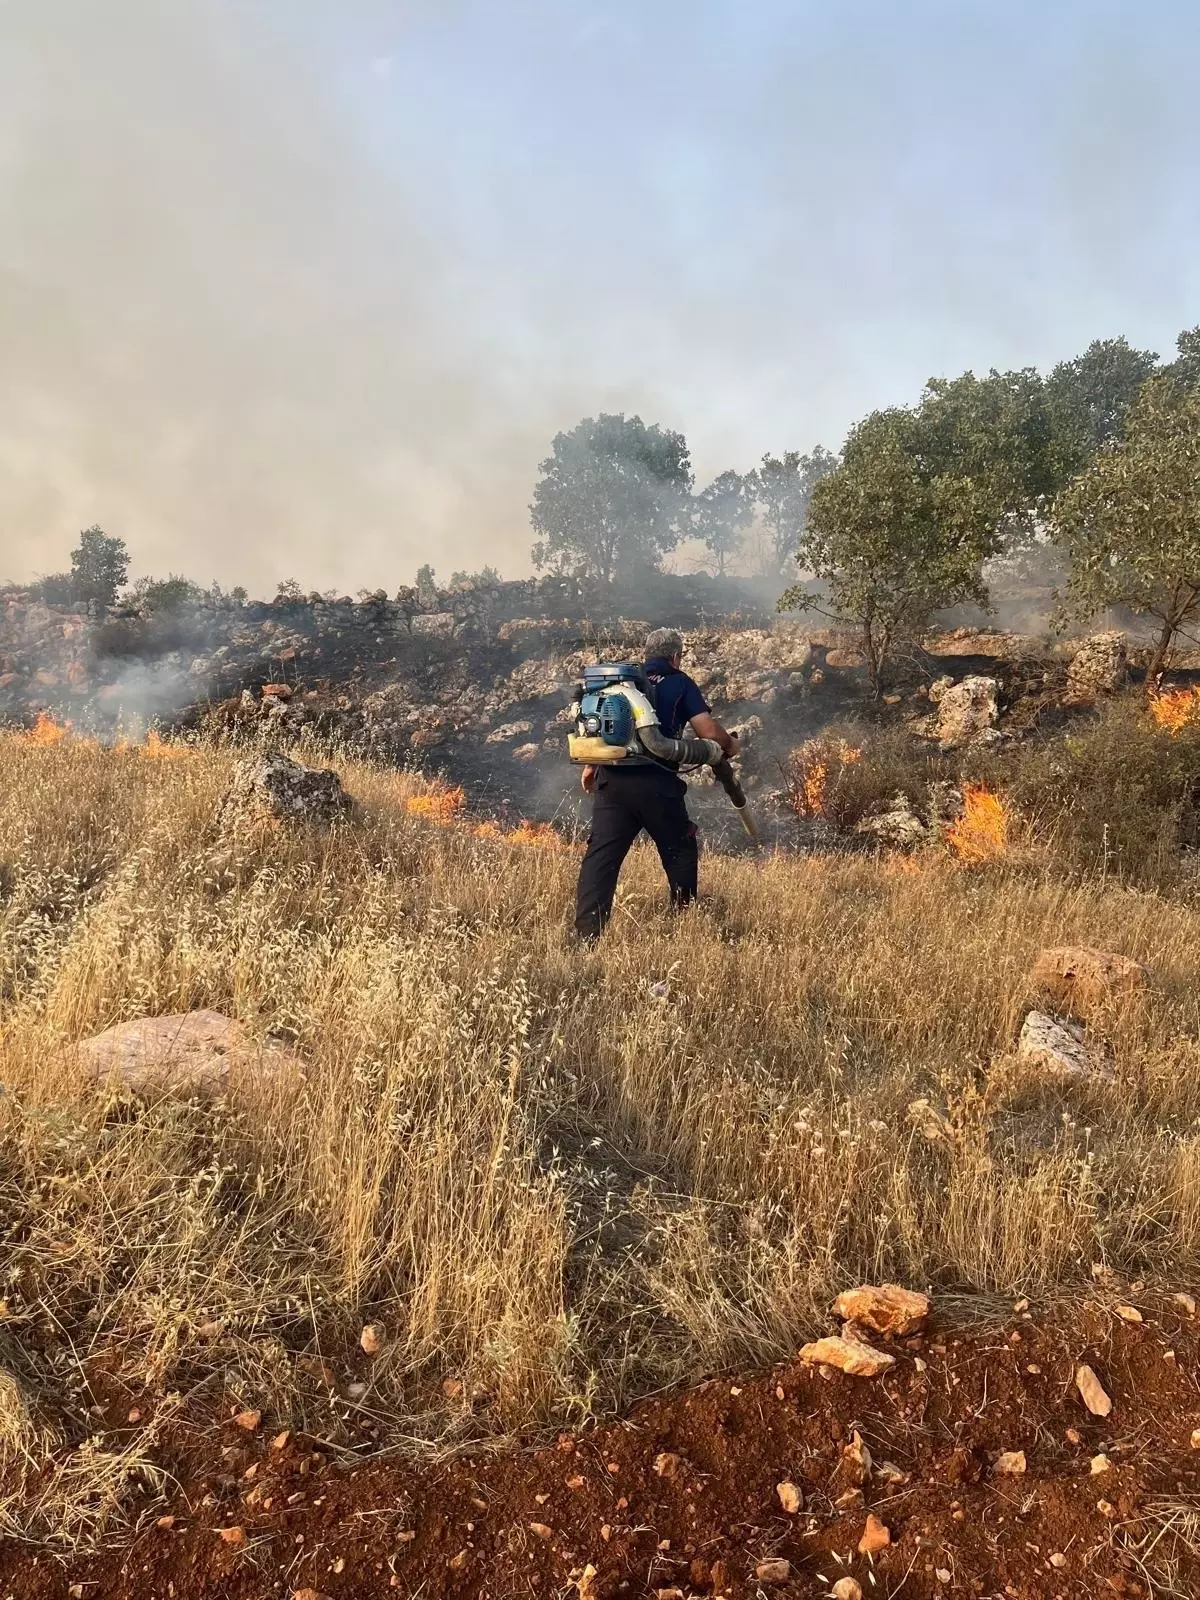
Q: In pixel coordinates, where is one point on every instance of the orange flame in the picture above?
(814, 763)
(981, 833)
(1176, 708)
(159, 749)
(442, 806)
(46, 731)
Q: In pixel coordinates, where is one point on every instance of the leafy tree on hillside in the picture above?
(1186, 366)
(99, 566)
(612, 498)
(721, 513)
(784, 486)
(921, 500)
(427, 590)
(161, 596)
(1130, 523)
(1088, 399)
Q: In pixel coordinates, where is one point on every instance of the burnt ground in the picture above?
(680, 1498)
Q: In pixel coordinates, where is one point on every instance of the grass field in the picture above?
(558, 1180)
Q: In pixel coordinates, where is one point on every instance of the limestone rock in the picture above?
(1058, 1049)
(274, 787)
(507, 732)
(1099, 666)
(790, 1497)
(372, 1338)
(527, 752)
(968, 710)
(847, 1355)
(1078, 975)
(1092, 1392)
(1009, 1464)
(847, 1589)
(884, 1308)
(876, 1537)
(897, 828)
(775, 1571)
(193, 1052)
(856, 1462)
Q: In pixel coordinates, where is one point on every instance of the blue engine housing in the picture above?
(608, 716)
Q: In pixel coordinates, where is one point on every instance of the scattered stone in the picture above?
(234, 1537)
(1077, 976)
(897, 828)
(1058, 1560)
(847, 1589)
(876, 1537)
(667, 1465)
(1099, 666)
(776, 1571)
(1100, 1464)
(1196, 1438)
(856, 1462)
(1058, 1049)
(191, 1053)
(279, 1442)
(309, 1594)
(248, 1421)
(846, 1355)
(541, 1530)
(938, 688)
(967, 710)
(275, 788)
(884, 1308)
(790, 1497)
(372, 1339)
(527, 752)
(887, 1472)
(507, 732)
(1092, 1392)
(1009, 1464)
(1129, 1314)
(1187, 1302)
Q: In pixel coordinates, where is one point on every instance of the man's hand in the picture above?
(707, 726)
(587, 779)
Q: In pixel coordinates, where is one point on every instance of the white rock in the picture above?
(193, 1052)
(1058, 1049)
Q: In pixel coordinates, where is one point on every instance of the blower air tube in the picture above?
(689, 751)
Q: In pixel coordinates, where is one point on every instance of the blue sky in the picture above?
(306, 288)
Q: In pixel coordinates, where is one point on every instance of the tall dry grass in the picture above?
(560, 1178)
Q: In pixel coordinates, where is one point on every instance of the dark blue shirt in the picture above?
(677, 699)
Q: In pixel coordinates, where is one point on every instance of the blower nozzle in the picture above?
(724, 774)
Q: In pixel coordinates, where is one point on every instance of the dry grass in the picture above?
(545, 1177)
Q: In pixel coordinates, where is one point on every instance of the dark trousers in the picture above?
(625, 803)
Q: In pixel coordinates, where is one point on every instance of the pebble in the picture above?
(875, 1537)
(1092, 1392)
(790, 1497)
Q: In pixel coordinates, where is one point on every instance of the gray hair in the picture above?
(665, 643)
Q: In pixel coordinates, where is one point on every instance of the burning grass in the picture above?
(556, 1178)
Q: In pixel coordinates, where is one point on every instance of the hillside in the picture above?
(462, 1184)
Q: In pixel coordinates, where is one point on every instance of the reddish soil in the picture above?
(680, 1499)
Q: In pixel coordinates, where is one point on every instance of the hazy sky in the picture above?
(305, 287)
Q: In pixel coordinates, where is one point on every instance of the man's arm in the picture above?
(707, 726)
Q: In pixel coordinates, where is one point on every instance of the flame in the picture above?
(814, 763)
(46, 731)
(159, 749)
(442, 806)
(981, 833)
(1176, 708)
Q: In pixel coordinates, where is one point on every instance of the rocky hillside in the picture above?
(478, 686)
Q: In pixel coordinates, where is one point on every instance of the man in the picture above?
(650, 795)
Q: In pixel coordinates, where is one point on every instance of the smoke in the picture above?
(292, 288)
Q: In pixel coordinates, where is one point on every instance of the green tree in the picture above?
(1088, 399)
(1130, 522)
(721, 513)
(1186, 366)
(612, 498)
(783, 488)
(99, 566)
(922, 498)
(427, 591)
(161, 596)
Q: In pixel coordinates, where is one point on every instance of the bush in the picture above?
(1120, 795)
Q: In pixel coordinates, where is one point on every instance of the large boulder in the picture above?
(897, 828)
(1099, 666)
(1078, 976)
(191, 1053)
(968, 710)
(273, 787)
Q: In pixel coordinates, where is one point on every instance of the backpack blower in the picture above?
(615, 721)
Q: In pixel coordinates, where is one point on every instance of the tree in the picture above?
(922, 498)
(161, 596)
(1130, 522)
(783, 486)
(1088, 399)
(1186, 366)
(99, 566)
(721, 514)
(612, 498)
(427, 591)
